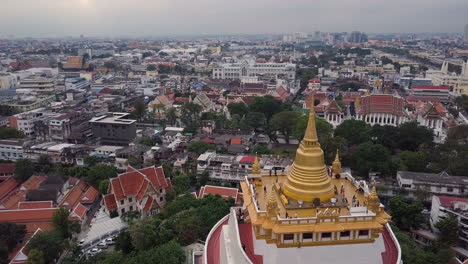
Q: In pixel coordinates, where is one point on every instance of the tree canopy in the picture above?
(405, 215)
(354, 131)
(24, 169)
(284, 122)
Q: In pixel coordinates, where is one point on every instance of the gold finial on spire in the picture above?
(311, 131)
(256, 166)
(373, 201)
(336, 165)
(308, 178)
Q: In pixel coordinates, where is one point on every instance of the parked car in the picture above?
(102, 244)
(94, 251)
(110, 241)
(81, 242)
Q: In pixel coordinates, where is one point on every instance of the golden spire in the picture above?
(308, 178)
(336, 165)
(311, 131)
(256, 166)
(357, 102)
(271, 203)
(373, 201)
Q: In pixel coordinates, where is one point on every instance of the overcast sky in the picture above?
(175, 17)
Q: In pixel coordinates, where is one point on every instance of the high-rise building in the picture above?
(306, 213)
(466, 33)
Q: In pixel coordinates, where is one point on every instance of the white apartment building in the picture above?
(76, 83)
(25, 121)
(234, 168)
(37, 84)
(7, 81)
(459, 83)
(238, 70)
(11, 149)
(448, 206)
(437, 183)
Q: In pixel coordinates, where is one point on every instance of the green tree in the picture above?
(266, 105)
(448, 230)
(412, 161)
(50, 243)
(411, 136)
(170, 253)
(171, 116)
(103, 186)
(24, 169)
(10, 234)
(36, 257)
(238, 109)
(284, 122)
(9, 132)
(61, 222)
(100, 172)
(181, 182)
(354, 131)
(191, 116)
(123, 242)
(371, 157)
(91, 161)
(200, 147)
(140, 109)
(262, 150)
(405, 215)
(255, 120)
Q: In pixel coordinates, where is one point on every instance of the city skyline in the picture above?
(164, 17)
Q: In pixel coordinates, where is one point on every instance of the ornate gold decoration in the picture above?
(308, 178)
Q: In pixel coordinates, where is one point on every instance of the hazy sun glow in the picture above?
(85, 3)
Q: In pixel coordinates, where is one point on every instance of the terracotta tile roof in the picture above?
(382, 103)
(7, 187)
(79, 212)
(72, 197)
(156, 176)
(148, 204)
(131, 182)
(12, 201)
(28, 216)
(208, 140)
(248, 159)
(35, 205)
(224, 192)
(448, 201)
(429, 87)
(117, 189)
(109, 202)
(236, 141)
(7, 168)
(89, 196)
(142, 190)
(33, 183)
(73, 63)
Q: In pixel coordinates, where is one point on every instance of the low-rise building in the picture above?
(141, 190)
(234, 168)
(11, 149)
(436, 183)
(441, 92)
(113, 129)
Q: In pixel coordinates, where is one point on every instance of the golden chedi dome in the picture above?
(308, 178)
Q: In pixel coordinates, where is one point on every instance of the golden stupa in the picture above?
(308, 178)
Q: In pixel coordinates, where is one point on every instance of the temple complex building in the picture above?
(382, 109)
(310, 213)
